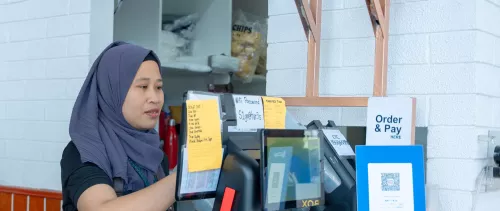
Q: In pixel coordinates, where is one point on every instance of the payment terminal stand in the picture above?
(340, 176)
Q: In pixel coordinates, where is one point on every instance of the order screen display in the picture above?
(293, 169)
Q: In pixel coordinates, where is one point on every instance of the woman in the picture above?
(114, 159)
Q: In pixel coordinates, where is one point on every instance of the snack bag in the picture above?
(262, 64)
(248, 42)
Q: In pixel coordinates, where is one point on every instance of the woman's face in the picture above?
(144, 99)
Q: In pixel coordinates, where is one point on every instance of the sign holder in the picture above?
(391, 155)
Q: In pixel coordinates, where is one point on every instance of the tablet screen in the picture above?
(292, 168)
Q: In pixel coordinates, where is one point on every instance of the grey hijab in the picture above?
(98, 128)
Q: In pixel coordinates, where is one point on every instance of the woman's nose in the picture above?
(153, 96)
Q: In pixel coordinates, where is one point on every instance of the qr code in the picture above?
(274, 182)
(390, 182)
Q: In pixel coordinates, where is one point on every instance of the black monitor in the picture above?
(291, 169)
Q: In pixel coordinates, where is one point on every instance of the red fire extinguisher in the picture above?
(162, 127)
(171, 144)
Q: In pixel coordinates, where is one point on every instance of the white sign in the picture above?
(249, 111)
(389, 121)
(390, 187)
(338, 142)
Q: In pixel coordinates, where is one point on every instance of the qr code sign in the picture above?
(390, 182)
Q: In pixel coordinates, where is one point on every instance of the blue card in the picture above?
(390, 178)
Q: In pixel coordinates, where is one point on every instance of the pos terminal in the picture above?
(262, 169)
(340, 176)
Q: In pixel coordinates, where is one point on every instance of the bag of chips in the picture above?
(248, 42)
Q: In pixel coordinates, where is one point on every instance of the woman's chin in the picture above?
(146, 126)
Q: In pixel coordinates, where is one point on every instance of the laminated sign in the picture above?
(390, 121)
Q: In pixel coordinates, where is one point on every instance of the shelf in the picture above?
(256, 79)
(141, 23)
(202, 65)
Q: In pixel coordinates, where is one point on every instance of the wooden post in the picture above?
(310, 14)
(311, 21)
(380, 23)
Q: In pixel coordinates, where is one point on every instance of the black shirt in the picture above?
(76, 177)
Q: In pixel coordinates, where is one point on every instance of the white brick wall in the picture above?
(446, 53)
(44, 57)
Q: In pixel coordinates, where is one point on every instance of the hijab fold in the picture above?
(97, 126)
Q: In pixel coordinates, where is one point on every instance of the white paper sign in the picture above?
(390, 187)
(249, 111)
(389, 121)
(200, 181)
(338, 142)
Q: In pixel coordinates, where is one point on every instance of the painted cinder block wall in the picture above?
(44, 57)
(45, 53)
(446, 53)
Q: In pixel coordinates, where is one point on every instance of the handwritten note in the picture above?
(203, 135)
(274, 112)
(249, 112)
(195, 95)
(339, 142)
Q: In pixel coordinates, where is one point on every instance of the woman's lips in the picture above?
(153, 113)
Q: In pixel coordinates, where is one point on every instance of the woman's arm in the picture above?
(157, 197)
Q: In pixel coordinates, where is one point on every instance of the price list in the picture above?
(204, 145)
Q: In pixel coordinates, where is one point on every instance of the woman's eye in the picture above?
(143, 87)
(160, 87)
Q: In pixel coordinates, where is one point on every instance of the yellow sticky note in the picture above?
(204, 145)
(274, 112)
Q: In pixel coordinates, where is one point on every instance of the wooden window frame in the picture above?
(310, 13)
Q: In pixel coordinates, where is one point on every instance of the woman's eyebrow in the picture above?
(148, 79)
(142, 79)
